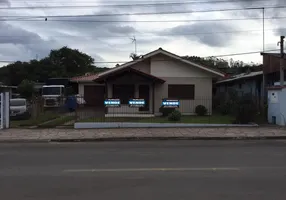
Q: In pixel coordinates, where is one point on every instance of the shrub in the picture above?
(245, 110)
(166, 111)
(175, 116)
(226, 108)
(201, 110)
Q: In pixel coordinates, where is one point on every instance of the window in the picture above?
(181, 91)
(51, 91)
(17, 102)
(123, 92)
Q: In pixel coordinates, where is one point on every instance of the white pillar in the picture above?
(7, 109)
(2, 111)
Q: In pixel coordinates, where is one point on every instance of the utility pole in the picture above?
(263, 28)
(263, 48)
(281, 43)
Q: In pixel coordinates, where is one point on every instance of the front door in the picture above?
(144, 94)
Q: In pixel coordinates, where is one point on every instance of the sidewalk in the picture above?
(70, 135)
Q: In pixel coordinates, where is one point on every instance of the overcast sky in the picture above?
(110, 41)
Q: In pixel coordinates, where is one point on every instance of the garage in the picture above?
(94, 95)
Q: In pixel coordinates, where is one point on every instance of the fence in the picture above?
(151, 113)
(61, 112)
(42, 112)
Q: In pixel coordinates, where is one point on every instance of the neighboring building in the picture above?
(153, 77)
(271, 68)
(245, 83)
(6, 88)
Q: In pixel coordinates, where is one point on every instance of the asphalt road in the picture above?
(199, 170)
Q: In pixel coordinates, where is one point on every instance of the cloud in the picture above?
(4, 2)
(10, 34)
(196, 32)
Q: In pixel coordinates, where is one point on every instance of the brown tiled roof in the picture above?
(84, 78)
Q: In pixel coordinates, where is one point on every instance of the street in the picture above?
(167, 170)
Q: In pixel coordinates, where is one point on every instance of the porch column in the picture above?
(151, 97)
(109, 90)
(136, 95)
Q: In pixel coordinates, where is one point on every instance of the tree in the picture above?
(71, 62)
(134, 56)
(63, 62)
(26, 89)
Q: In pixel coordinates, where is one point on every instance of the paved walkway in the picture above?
(38, 135)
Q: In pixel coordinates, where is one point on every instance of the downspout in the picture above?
(153, 97)
(106, 96)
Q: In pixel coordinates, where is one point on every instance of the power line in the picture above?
(155, 13)
(224, 55)
(148, 34)
(124, 5)
(145, 21)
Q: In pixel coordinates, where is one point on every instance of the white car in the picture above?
(19, 108)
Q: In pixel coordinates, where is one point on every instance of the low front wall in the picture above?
(125, 109)
(101, 125)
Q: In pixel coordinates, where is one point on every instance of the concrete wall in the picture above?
(277, 109)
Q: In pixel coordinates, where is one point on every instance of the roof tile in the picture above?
(84, 78)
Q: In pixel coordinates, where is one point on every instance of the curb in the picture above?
(143, 139)
(112, 125)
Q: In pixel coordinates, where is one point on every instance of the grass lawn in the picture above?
(57, 122)
(55, 119)
(214, 119)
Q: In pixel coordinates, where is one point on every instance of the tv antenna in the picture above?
(135, 43)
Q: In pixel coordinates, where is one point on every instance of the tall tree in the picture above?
(63, 62)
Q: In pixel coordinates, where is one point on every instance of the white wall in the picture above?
(163, 66)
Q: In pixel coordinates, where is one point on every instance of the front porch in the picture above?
(130, 84)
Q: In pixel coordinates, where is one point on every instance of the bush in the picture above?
(201, 110)
(245, 110)
(226, 108)
(26, 89)
(175, 116)
(166, 111)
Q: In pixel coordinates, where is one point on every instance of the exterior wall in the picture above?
(81, 87)
(163, 66)
(271, 63)
(277, 109)
(143, 67)
(176, 72)
(203, 94)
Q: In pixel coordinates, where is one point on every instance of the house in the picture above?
(153, 77)
(245, 83)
